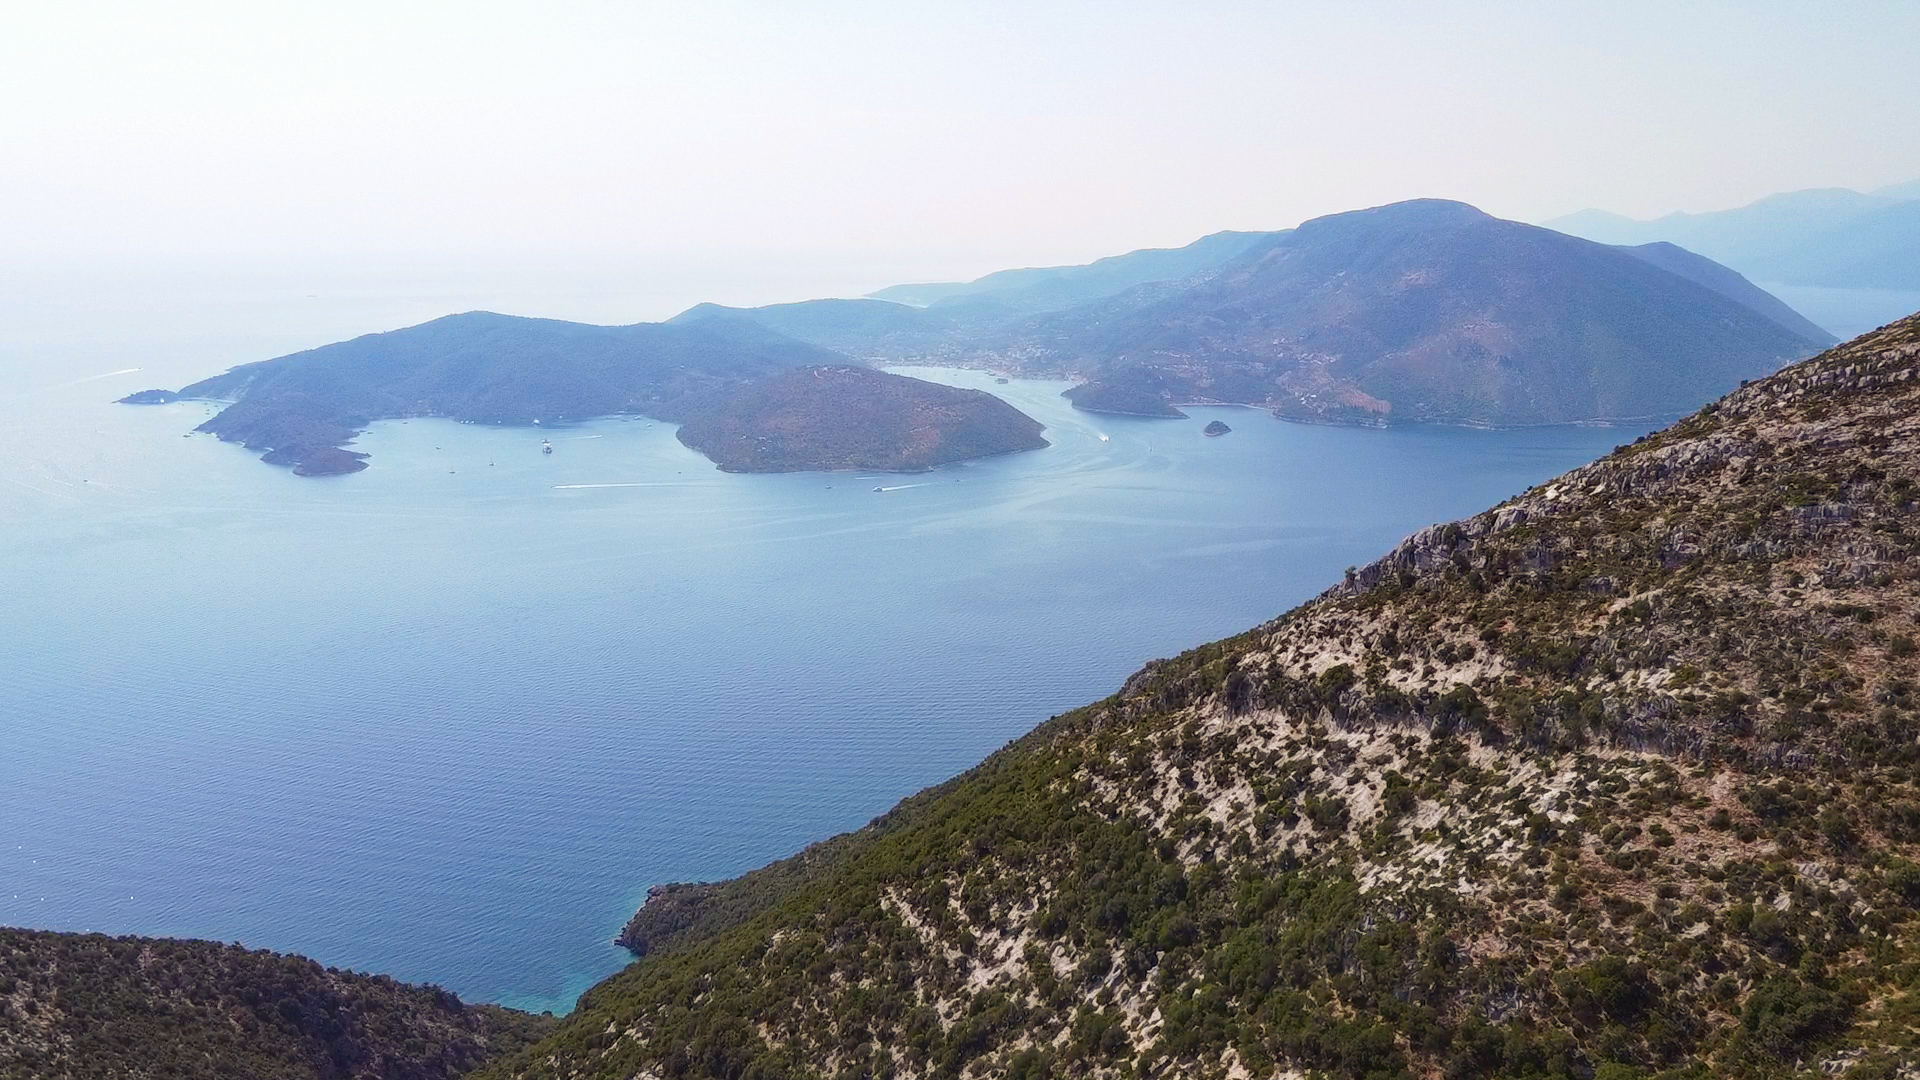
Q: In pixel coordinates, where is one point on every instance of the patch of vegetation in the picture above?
(87, 1005)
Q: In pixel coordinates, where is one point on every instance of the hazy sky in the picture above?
(854, 144)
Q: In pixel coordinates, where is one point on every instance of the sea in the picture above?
(450, 717)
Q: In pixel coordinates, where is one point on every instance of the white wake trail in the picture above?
(578, 487)
(95, 378)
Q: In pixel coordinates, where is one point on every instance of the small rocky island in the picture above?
(750, 398)
(1215, 430)
(150, 397)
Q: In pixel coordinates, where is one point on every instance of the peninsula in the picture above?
(754, 399)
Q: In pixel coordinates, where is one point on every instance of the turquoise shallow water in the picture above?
(450, 717)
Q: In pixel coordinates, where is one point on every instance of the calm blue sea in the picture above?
(450, 717)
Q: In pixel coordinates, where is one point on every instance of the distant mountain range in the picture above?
(1420, 311)
(1829, 237)
(1424, 311)
(905, 320)
(713, 374)
(1053, 288)
(1728, 283)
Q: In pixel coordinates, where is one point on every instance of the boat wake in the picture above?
(581, 487)
(95, 378)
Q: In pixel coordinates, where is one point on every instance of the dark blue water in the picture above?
(450, 717)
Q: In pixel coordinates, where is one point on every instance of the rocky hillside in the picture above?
(856, 418)
(1619, 778)
(83, 1005)
(1424, 311)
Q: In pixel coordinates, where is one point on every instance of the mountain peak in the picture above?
(1409, 213)
(1431, 310)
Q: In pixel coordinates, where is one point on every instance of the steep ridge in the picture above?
(1423, 311)
(1728, 283)
(87, 1005)
(1620, 776)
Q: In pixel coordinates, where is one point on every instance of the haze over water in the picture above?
(450, 717)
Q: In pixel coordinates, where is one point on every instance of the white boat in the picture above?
(546, 446)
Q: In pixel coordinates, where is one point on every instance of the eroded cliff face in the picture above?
(1621, 775)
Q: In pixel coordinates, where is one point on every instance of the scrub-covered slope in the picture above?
(86, 1005)
(1621, 775)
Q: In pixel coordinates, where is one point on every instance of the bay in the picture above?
(450, 717)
